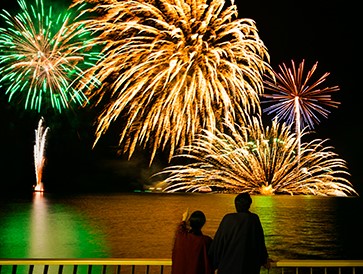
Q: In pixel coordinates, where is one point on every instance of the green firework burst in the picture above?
(43, 54)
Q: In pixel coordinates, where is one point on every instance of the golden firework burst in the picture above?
(174, 68)
(259, 160)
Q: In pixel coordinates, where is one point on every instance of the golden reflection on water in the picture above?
(38, 226)
(142, 225)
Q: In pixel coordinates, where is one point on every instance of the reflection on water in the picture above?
(309, 227)
(38, 225)
(142, 225)
(39, 228)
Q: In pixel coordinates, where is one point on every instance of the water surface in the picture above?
(141, 225)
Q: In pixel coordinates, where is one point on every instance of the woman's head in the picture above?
(197, 220)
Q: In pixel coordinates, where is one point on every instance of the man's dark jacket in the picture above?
(239, 244)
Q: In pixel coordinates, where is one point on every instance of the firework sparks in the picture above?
(295, 98)
(42, 57)
(174, 68)
(39, 153)
(259, 161)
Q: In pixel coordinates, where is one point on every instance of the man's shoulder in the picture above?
(238, 215)
(207, 238)
(231, 215)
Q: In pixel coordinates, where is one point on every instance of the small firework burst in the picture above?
(296, 98)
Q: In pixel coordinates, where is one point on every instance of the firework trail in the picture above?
(43, 56)
(39, 153)
(173, 68)
(296, 98)
(259, 161)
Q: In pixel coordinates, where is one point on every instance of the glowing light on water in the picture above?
(39, 153)
(43, 56)
(172, 68)
(259, 160)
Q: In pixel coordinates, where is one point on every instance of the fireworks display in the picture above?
(39, 153)
(182, 76)
(296, 98)
(171, 68)
(259, 161)
(42, 57)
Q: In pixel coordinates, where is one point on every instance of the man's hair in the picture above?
(242, 202)
(197, 220)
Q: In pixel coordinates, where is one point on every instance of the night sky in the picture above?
(318, 31)
(325, 32)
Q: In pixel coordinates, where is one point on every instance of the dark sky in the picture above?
(323, 31)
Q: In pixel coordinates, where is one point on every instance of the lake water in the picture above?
(141, 225)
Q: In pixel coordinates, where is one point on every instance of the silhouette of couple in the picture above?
(238, 246)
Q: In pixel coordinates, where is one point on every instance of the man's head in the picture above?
(197, 220)
(242, 202)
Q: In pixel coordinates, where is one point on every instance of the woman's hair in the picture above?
(197, 220)
(242, 202)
